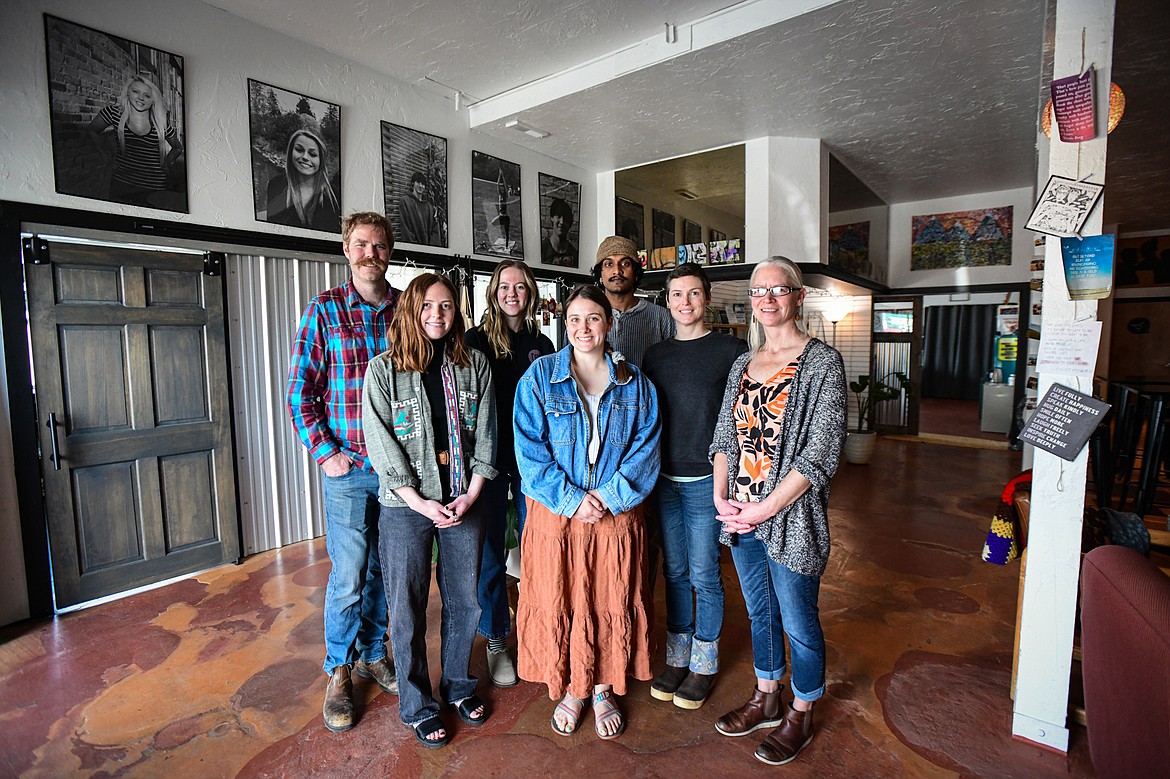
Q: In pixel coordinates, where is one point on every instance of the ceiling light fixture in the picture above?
(528, 130)
(686, 194)
(1116, 109)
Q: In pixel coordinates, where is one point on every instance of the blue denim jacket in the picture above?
(552, 438)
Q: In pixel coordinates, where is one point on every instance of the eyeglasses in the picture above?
(777, 292)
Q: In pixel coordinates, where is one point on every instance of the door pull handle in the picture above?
(55, 451)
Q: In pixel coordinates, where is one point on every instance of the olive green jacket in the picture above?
(396, 419)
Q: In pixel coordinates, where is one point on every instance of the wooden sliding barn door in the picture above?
(132, 398)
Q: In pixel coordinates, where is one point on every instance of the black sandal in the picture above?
(426, 728)
(468, 705)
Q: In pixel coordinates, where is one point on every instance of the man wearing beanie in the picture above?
(637, 324)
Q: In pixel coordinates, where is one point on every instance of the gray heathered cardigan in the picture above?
(396, 418)
(812, 432)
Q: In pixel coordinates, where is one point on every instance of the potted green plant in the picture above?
(860, 444)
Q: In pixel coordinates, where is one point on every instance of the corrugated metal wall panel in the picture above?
(280, 485)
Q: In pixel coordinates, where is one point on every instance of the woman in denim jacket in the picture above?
(428, 412)
(587, 433)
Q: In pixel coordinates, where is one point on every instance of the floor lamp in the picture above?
(837, 310)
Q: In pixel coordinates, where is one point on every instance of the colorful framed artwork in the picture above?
(961, 239)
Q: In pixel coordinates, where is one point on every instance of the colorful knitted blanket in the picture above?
(1003, 542)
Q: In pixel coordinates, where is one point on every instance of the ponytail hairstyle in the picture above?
(158, 114)
(495, 324)
(756, 334)
(594, 294)
(410, 349)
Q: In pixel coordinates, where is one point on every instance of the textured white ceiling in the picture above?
(481, 48)
(920, 98)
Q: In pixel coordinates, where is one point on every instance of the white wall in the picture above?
(900, 235)
(221, 53)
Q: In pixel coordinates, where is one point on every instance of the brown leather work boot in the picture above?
(762, 711)
(338, 706)
(381, 671)
(784, 743)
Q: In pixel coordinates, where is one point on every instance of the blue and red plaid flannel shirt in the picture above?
(338, 335)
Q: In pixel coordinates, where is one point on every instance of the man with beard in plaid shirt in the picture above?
(340, 331)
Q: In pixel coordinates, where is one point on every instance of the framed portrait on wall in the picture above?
(296, 158)
(560, 207)
(414, 185)
(663, 224)
(496, 218)
(629, 221)
(692, 232)
(716, 235)
(116, 116)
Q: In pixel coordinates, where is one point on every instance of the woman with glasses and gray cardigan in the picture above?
(777, 443)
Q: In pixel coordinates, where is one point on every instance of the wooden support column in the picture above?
(1083, 37)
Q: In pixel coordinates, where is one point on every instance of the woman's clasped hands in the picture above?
(592, 508)
(741, 517)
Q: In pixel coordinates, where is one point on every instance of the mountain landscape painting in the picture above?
(849, 248)
(962, 239)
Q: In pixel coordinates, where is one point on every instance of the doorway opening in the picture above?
(969, 366)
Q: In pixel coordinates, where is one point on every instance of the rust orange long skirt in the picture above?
(584, 615)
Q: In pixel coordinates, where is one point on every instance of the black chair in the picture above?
(1156, 420)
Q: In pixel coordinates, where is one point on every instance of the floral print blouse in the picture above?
(757, 415)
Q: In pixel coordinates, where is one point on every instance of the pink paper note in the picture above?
(1072, 103)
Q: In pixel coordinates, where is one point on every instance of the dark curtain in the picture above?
(956, 351)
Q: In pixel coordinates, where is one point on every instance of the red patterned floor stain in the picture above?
(221, 675)
(946, 600)
(957, 714)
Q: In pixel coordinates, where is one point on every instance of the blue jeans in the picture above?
(779, 603)
(690, 558)
(406, 542)
(355, 599)
(496, 620)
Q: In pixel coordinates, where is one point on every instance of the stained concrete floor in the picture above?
(219, 675)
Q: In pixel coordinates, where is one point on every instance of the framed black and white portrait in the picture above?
(296, 158)
(629, 220)
(496, 224)
(414, 184)
(663, 225)
(692, 232)
(560, 209)
(116, 117)
(716, 235)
